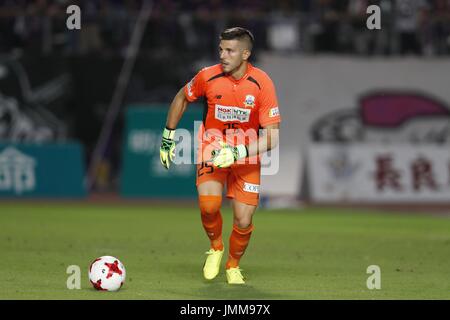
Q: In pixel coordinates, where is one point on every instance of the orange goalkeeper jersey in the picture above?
(235, 110)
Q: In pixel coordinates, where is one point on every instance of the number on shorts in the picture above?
(204, 169)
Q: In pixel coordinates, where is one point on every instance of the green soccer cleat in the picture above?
(212, 264)
(234, 276)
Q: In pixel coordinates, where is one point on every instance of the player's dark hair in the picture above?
(238, 33)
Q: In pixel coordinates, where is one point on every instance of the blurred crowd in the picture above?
(419, 27)
(57, 83)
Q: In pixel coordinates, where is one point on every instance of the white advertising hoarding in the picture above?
(372, 101)
(379, 173)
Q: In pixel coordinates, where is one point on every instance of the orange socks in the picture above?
(238, 243)
(212, 223)
(212, 219)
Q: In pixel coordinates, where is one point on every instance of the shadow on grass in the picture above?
(192, 285)
(224, 291)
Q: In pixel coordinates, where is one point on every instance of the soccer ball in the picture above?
(107, 273)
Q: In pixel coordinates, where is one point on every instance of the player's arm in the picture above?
(267, 141)
(189, 93)
(227, 155)
(176, 110)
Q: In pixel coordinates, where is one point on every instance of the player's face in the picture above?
(232, 53)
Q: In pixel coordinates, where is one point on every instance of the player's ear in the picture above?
(246, 54)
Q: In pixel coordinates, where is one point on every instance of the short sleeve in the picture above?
(195, 88)
(269, 112)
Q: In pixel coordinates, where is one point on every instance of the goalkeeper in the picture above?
(241, 99)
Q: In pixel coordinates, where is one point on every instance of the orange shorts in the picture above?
(242, 180)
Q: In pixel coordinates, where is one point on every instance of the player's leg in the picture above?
(242, 231)
(244, 189)
(210, 187)
(210, 202)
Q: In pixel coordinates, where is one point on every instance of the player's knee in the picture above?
(243, 223)
(209, 208)
(210, 204)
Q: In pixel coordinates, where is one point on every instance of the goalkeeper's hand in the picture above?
(227, 155)
(167, 149)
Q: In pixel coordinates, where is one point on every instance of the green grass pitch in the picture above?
(293, 254)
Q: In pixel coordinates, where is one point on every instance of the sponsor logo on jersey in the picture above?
(274, 112)
(250, 187)
(249, 101)
(228, 113)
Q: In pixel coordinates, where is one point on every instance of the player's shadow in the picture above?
(219, 288)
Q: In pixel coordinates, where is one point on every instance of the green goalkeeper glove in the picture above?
(167, 149)
(226, 156)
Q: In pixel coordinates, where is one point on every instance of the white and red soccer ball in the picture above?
(107, 273)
